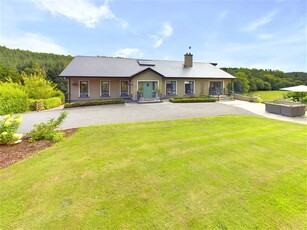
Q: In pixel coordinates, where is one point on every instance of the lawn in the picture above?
(225, 172)
(269, 95)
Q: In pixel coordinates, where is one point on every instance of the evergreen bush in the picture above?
(13, 99)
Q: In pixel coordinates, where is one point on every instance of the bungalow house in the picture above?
(92, 78)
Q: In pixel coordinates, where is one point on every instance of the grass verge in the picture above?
(226, 172)
(269, 95)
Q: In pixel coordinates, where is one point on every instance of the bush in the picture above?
(192, 99)
(91, 103)
(8, 130)
(47, 130)
(52, 102)
(13, 99)
(60, 94)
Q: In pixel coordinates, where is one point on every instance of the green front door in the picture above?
(148, 89)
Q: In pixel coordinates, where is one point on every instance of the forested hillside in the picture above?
(14, 61)
(259, 79)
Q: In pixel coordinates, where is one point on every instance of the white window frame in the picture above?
(193, 87)
(120, 88)
(101, 88)
(88, 89)
(166, 89)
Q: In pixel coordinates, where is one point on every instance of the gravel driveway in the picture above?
(129, 112)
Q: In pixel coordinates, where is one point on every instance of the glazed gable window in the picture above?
(105, 88)
(84, 89)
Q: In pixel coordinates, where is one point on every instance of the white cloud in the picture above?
(165, 32)
(261, 21)
(129, 52)
(33, 42)
(82, 11)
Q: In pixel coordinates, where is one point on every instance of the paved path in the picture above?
(259, 109)
(129, 112)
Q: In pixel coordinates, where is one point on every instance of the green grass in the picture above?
(269, 95)
(225, 172)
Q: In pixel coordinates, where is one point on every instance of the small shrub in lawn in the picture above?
(8, 130)
(191, 99)
(91, 103)
(48, 130)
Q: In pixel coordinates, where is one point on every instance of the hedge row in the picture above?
(91, 103)
(192, 99)
(46, 103)
(12, 99)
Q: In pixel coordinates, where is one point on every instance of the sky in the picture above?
(263, 34)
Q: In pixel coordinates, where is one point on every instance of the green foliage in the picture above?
(60, 94)
(38, 87)
(52, 102)
(91, 103)
(259, 79)
(8, 130)
(13, 62)
(13, 99)
(48, 130)
(192, 99)
(241, 83)
(297, 96)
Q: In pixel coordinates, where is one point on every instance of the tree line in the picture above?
(248, 80)
(16, 63)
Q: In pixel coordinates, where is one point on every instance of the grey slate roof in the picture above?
(83, 66)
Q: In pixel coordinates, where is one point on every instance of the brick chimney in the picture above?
(188, 60)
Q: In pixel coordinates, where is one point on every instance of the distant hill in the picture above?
(15, 61)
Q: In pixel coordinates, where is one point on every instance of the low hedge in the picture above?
(52, 102)
(46, 103)
(13, 99)
(192, 99)
(91, 103)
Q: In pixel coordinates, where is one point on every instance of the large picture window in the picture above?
(84, 89)
(105, 88)
(189, 87)
(124, 91)
(171, 88)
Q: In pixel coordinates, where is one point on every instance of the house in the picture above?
(92, 78)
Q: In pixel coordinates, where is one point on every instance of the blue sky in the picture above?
(268, 34)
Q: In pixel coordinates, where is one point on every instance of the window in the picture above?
(171, 88)
(105, 88)
(189, 87)
(124, 91)
(84, 89)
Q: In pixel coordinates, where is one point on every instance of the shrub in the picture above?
(13, 99)
(8, 130)
(192, 99)
(91, 103)
(60, 94)
(52, 102)
(48, 130)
